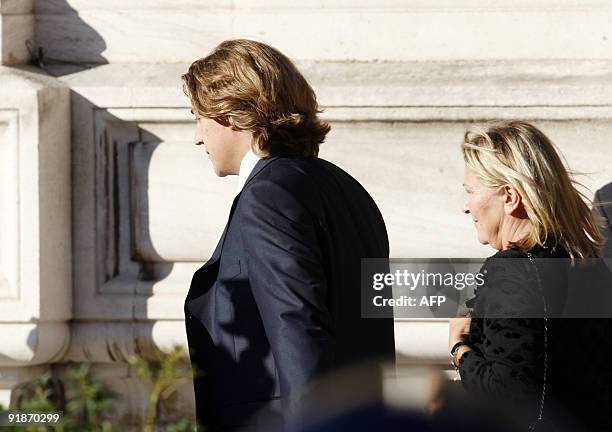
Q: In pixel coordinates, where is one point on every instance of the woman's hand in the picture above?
(458, 328)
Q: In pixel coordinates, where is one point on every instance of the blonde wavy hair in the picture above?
(517, 153)
(256, 88)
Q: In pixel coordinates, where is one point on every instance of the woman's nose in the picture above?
(466, 209)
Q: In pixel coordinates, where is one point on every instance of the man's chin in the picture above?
(219, 172)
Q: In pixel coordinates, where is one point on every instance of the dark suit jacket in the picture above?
(605, 195)
(278, 303)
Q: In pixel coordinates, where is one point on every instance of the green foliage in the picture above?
(83, 401)
(87, 404)
(41, 394)
(161, 376)
(181, 426)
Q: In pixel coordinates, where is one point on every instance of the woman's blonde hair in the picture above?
(258, 89)
(517, 153)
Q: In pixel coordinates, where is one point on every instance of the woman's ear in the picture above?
(513, 201)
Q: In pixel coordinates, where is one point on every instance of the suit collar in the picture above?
(247, 164)
(261, 164)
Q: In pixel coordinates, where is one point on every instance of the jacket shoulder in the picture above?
(304, 176)
(604, 193)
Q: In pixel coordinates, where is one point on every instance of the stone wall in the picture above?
(108, 208)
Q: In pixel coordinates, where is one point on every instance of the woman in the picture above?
(524, 204)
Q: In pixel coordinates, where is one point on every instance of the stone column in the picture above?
(35, 231)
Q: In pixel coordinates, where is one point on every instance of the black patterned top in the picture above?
(507, 358)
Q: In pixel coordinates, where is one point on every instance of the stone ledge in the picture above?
(88, 31)
(374, 84)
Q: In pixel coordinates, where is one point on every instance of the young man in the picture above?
(278, 303)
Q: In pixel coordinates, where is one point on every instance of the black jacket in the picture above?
(508, 357)
(278, 303)
(604, 195)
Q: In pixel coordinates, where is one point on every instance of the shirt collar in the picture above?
(249, 161)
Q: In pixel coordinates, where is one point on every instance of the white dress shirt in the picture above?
(246, 166)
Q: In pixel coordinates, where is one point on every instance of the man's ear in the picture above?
(513, 201)
(223, 121)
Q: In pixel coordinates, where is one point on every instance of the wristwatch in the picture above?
(453, 353)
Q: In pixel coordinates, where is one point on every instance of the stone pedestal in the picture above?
(35, 223)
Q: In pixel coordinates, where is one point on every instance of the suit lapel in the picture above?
(217, 252)
(261, 164)
(216, 255)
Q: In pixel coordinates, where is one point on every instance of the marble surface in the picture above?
(170, 32)
(108, 208)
